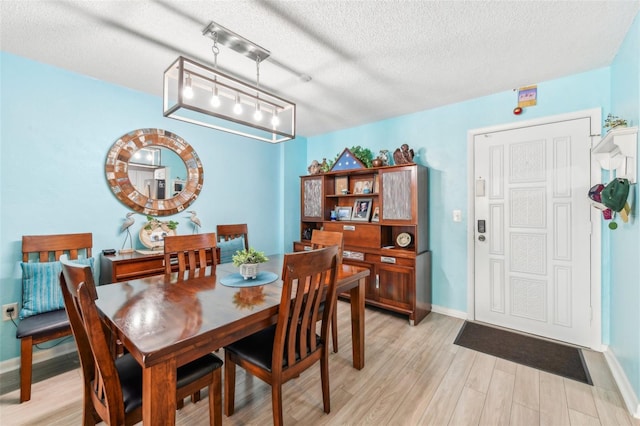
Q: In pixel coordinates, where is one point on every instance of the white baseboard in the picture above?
(626, 390)
(39, 356)
(449, 312)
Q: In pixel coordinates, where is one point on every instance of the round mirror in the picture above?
(154, 172)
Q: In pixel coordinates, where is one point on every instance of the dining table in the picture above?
(166, 321)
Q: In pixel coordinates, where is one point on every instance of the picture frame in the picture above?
(361, 209)
(376, 215)
(376, 185)
(341, 185)
(343, 213)
(363, 187)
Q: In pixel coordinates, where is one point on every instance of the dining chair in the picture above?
(321, 239)
(191, 251)
(232, 238)
(284, 350)
(113, 387)
(42, 317)
(229, 232)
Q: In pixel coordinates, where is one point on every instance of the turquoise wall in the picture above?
(439, 138)
(57, 127)
(624, 243)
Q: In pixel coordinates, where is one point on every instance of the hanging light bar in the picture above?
(202, 95)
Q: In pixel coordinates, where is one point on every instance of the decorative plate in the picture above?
(153, 233)
(403, 239)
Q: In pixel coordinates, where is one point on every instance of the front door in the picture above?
(532, 230)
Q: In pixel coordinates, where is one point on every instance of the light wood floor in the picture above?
(413, 376)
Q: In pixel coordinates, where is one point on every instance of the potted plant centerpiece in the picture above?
(248, 262)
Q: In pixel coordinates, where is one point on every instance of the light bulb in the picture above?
(215, 99)
(258, 114)
(237, 108)
(188, 90)
(275, 120)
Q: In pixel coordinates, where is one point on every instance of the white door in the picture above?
(532, 261)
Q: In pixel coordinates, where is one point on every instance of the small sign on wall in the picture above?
(527, 96)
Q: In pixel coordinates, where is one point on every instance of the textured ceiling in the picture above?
(369, 60)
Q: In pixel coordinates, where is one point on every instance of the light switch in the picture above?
(457, 216)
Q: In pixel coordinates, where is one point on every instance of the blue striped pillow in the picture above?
(41, 286)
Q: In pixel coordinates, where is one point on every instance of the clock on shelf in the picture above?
(403, 239)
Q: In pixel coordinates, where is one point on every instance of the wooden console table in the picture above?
(131, 266)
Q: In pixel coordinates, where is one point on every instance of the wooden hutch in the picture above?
(400, 279)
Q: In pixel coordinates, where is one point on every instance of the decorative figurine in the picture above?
(403, 155)
(384, 156)
(195, 221)
(314, 168)
(324, 166)
(129, 220)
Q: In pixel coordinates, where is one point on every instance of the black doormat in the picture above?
(544, 355)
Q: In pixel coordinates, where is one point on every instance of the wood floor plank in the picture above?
(553, 401)
(611, 410)
(526, 391)
(524, 416)
(497, 406)
(414, 405)
(444, 400)
(481, 372)
(580, 397)
(469, 407)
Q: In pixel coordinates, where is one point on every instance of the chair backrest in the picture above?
(49, 248)
(192, 251)
(306, 278)
(321, 239)
(101, 381)
(229, 232)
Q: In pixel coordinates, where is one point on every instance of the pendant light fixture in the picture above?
(202, 95)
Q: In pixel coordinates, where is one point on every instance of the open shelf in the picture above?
(618, 151)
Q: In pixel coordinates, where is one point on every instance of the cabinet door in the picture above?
(396, 285)
(312, 198)
(398, 201)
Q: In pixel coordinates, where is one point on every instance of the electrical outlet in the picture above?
(9, 311)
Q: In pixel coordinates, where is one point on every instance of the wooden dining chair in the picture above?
(190, 251)
(229, 232)
(41, 300)
(113, 387)
(284, 350)
(321, 239)
(230, 240)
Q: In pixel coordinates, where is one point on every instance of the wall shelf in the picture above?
(618, 151)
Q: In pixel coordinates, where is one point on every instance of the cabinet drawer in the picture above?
(139, 269)
(356, 234)
(390, 260)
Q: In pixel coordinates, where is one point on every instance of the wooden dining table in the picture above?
(166, 321)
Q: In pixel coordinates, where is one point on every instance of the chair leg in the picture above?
(26, 365)
(324, 378)
(215, 399)
(276, 403)
(229, 385)
(195, 397)
(334, 329)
